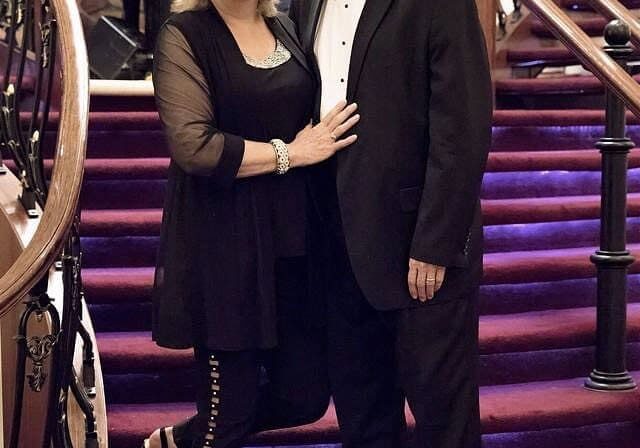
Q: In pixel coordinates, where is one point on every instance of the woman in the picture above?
(232, 85)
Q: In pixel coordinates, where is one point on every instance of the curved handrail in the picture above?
(66, 179)
(601, 65)
(613, 9)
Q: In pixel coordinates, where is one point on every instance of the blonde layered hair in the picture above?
(266, 7)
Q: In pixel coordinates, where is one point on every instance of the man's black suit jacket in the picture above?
(410, 186)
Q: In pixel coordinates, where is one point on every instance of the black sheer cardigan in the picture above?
(214, 283)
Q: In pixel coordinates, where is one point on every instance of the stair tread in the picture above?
(507, 408)
(123, 284)
(529, 210)
(146, 121)
(592, 25)
(572, 159)
(558, 85)
(584, 4)
(121, 222)
(119, 285)
(128, 352)
(499, 161)
(554, 117)
(146, 222)
(544, 265)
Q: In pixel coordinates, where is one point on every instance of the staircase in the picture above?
(541, 209)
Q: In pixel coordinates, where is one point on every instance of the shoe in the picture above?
(164, 443)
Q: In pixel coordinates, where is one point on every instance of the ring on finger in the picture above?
(333, 136)
(431, 280)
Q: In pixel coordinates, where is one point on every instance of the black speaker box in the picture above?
(117, 51)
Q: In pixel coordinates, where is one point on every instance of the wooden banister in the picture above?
(588, 52)
(613, 9)
(487, 13)
(66, 179)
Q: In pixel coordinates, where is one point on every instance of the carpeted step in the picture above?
(123, 194)
(593, 26)
(552, 235)
(139, 135)
(135, 352)
(156, 168)
(124, 285)
(117, 285)
(612, 435)
(541, 130)
(565, 85)
(146, 222)
(573, 160)
(149, 168)
(110, 169)
(117, 135)
(544, 265)
(553, 117)
(500, 267)
(121, 96)
(131, 311)
(584, 4)
(510, 412)
(514, 348)
(535, 184)
(140, 251)
(147, 194)
(541, 296)
(556, 55)
(542, 365)
(544, 55)
(529, 210)
(117, 223)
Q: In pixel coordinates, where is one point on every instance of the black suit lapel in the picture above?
(287, 36)
(309, 36)
(372, 15)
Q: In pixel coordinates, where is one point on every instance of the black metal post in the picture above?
(613, 258)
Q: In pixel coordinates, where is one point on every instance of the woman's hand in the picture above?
(317, 143)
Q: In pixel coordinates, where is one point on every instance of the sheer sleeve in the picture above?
(184, 104)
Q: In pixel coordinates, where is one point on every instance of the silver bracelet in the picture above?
(282, 156)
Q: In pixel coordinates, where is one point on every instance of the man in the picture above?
(402, 213)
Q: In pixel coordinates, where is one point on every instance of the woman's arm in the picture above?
(199, 148)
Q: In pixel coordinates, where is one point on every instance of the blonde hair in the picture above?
(265, 7)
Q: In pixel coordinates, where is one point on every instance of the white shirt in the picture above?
(334, 41)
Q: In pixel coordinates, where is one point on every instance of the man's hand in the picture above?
(424, 279)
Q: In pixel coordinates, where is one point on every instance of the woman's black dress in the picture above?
(221, 236)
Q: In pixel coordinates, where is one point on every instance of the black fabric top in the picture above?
(221, 236)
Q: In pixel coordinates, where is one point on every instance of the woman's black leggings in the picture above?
(239, 393)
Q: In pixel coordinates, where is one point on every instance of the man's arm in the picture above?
(460, 114)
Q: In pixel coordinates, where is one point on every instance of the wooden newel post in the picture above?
(613, 259)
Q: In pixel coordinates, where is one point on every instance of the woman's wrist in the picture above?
(281, 150)
(294, 153)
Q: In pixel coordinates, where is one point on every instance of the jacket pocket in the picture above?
(410, 198)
